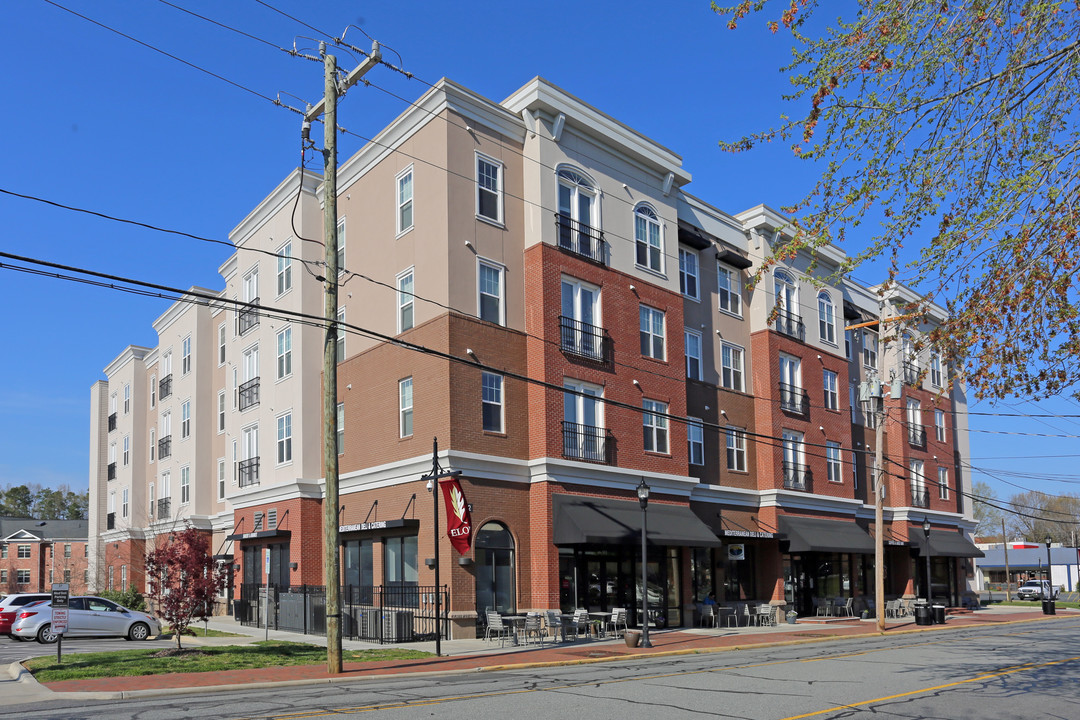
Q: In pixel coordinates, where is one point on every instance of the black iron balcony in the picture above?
(791, 325)
(111, 471)
(920, 498)
(248, 317)
(165, 386)
(916, 435)
(587, 442)
(164, 508)
(797, 477)
(581, 240)
(249, 394)
(793, 399)
(112, 421)
(583, 340)
(248, 472)
(110, 521)
(164, 447)
(911, 373)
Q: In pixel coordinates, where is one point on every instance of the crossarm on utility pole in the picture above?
(351, 79)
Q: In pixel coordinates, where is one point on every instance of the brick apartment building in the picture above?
(36, 553)
(602, 329)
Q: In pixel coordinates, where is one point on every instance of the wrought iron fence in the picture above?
(588, 443)
(165, 386)
(249, 393)
(382, 613)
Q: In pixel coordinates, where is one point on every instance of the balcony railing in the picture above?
(164, 507)
(248, 317)
(165, 386)
(793, 399)
(920, 498)
(112, 421)
(249, 394)
(588, 443)
(583, 340)
(579, 239)
(916, 436)
(164, 447)
(797, 477)
(110, 521)
(911, 373)
(248, 472)
(111, 471)
(791, 325)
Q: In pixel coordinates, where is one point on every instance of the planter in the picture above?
(632, 638)
(792, 617)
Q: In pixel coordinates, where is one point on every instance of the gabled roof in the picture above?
(35, 529)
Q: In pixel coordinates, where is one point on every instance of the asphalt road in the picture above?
(15, 650)
(1030, 670)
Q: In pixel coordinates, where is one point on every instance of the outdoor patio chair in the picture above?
(842, 607)
(821, 607)
(580, 622)
(730, 615)
(751, 617)
(766, 615)
(496, 626)
(708, 615)
(554, 623)
(892, 608)
(533, 628)
(618, 617)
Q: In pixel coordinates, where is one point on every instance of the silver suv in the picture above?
(1034, 590)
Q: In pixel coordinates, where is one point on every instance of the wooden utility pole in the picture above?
(331, 550)
(1005, 548)
(879, 484)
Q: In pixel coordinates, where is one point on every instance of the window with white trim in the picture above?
(826, 318)
(127, 398)
(405, 301)
(735, 439)
(405, 407)
(936, 376)
(284, 438)
(652, 332)
(221, 411)
(340, 335)
(943, 483)
(405, 200)
(127, 449)
(729, 289)
(833, 464)
(939, 424)
(647, 239)
(185, 356)
(185, 485)
(918, 481)
(124, 497)
(695, 441)
(112, 404)
(220, 479)
(341, 428)
(153, 391)
(492, 401)
(489, 189)
(185, 419)
(869, 348)
(692, 348)
(221, 344)
(153, 444)
(490, 292)
(847, 345)
(284, 269)
(284, 353)
(655, 424)
(731, 366)
(341, 246)
(689, 274)
(832, 401)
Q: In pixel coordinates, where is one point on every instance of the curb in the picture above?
(23, 676)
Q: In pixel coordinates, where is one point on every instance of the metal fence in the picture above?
(382, 613)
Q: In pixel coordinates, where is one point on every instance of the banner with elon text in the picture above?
(458, 522)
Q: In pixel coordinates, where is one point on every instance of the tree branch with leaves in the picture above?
(184, 579)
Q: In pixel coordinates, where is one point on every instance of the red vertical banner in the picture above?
(458, 521)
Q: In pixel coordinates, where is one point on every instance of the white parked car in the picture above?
(1034, 590)
(87, 616)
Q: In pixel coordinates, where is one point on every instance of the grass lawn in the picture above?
(200, 659)
(1037, 604)
(194, 631)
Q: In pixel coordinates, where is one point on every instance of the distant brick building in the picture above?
(36, 553)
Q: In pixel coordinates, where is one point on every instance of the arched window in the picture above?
(826, 318)
(787, 300)
(647, 238)
(495, 572)
(579, 217)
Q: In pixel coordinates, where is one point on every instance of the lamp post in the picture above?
(926, 533)
(643, 498)
(1048, 599)
(437, 473)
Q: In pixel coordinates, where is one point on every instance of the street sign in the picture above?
(59, 595)
(60, 620)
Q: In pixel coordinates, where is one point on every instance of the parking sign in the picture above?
(59, 608)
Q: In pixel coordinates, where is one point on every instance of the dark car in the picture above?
(10, 606)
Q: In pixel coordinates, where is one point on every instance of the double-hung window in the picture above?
(341, 335)
(127, 449)
(729, 289)
(647, 239)
(692, 343)
(220, 481)
(736, 448)
(695, 442)
(829, 381)
(689, 276)
(936, 375)
(284, 438)
(939, 425)
(652, 332)
(341, 246)
(826, 318)
(655, 426)
(405, 200)
(489, 189)
(405, 407)
(284, 268)
(185, 356)
(185, 419)
(731, 366)
(869, 349)
(185, 485)
(127, 398)
(125, 496)
(832, 462)
(491, 292)
(492, 401)
(340, 428)
(943, 483)
(221, 344)
(284, 353)
(221, 411)
(405, 301)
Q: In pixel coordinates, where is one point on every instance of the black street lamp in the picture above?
(1048, 599)
(926, 533)
(643, 498)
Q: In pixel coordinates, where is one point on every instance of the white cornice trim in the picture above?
(794, 500)
(124, 535)
(308, 489)
(278, 198)
(721, 494)
(129, 354)
(903, 294)
(181, 307)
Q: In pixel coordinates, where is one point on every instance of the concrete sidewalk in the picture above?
(473, 655)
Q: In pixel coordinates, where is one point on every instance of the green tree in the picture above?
(1036, 515)
(953, 126)
(184, 579)
(17, 501)
(987, 510)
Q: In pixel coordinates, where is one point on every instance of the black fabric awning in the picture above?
(259, 535)
(734, 259)
(946, 543)
(818, 535)
(581, 520)
(692, 236)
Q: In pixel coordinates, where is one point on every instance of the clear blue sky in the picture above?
(98, 121)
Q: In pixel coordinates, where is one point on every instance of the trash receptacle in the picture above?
(939, 614)
(1049, 608)
(632, 638)
(924, 615)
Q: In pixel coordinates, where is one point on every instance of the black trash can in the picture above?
(939, 614)
(1048, 607)
(924, 615)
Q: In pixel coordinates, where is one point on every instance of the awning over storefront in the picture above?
(945, 543)
(819, 535)
(581, 520)
(259, 535)
(731, 524)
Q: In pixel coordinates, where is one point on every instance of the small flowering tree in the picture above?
(184, 579)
